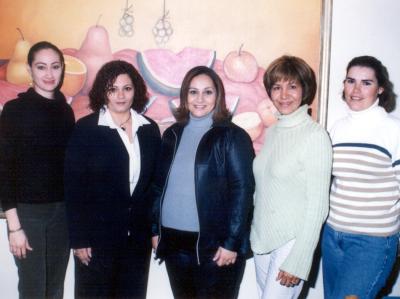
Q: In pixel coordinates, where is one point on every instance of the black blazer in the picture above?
(100, 208)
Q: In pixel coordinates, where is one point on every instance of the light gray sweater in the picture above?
(179, 210)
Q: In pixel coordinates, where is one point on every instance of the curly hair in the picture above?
(292, 68)
(105, 78)
(387, 99)
(47, 45)
(221, 113)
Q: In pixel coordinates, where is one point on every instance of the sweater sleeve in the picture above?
(396, 158)
(75, 180)
(317, 166)
(8, 159)
(239, 155)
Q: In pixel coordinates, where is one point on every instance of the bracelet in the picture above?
(15, 230)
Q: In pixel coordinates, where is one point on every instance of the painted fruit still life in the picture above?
(163, 71)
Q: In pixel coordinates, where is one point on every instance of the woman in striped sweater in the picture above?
(361, 235)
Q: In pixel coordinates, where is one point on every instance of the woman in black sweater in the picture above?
(34, 131)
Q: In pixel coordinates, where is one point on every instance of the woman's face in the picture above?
(286, 96)
(46, 71)
(202, 96)
(361, 88)
(120, 95)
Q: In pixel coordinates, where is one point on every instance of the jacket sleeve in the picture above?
(239, 158)
(149, 190)
(158, 184)
(8, 158)
(75, 172)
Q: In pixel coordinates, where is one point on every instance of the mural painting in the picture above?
(165, 53)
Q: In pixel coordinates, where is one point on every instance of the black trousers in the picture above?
(190, 280)
(41, 274)
(116, 273)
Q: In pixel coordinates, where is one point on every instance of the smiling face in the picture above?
(361, 88)
(120, 95)
(46, 71)
(286, 96)
(202, 96)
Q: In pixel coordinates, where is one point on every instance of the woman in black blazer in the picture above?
(109, 165)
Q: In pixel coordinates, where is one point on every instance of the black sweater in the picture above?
(34, 132)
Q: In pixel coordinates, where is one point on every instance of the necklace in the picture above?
(121, 125)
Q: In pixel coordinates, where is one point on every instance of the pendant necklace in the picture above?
(122, 124)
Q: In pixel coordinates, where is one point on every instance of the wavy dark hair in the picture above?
(47, 45)
(387, 99)
(292, 68)
(221, 113)
(105, 78)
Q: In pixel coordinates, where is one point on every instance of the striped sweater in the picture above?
(364, 196)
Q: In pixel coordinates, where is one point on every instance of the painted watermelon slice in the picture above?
(164, 70)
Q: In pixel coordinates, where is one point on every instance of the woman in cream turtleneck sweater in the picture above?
(292, 174)
(360, 238)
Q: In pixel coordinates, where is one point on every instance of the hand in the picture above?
(84, 255)
(287, 279)
(19, 244)
(154, 242)
(224, 257)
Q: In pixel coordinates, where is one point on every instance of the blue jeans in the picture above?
(355, 264)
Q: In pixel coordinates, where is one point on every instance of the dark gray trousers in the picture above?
(41, 274)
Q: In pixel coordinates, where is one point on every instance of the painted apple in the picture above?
(240, 66)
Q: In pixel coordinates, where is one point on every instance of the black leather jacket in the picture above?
(224, 186)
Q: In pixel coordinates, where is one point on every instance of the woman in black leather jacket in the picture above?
(203, 193)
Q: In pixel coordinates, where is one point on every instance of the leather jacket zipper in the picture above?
(165, 187)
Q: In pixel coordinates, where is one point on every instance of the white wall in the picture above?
(362, 27)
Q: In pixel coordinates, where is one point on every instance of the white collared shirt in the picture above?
(133, 149)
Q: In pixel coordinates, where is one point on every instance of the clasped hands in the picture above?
(223, 257)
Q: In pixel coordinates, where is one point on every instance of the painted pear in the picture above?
(17, 67)
(94, 52)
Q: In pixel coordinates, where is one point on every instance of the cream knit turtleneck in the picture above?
(292, 174)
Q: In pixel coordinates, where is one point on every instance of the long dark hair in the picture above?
(387, 99)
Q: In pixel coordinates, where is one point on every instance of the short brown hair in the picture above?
(105, 79)
(292, 68)
(221, 113)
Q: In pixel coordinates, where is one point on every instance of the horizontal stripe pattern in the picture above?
(364, 195)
